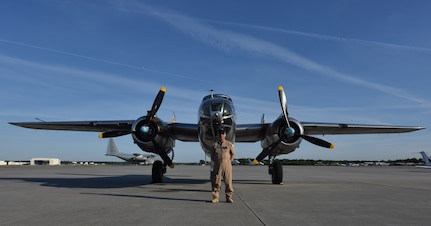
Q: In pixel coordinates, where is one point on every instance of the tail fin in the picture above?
(112, 149)
(425, 158)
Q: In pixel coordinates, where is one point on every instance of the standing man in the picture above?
(222, 156)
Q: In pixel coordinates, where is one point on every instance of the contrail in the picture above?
(98, 59)
(324, 37)
(230, 41)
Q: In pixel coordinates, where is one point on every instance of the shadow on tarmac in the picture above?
(252, 182)
(153, 197)
(104, 182)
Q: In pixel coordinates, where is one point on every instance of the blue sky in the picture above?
(338, 61)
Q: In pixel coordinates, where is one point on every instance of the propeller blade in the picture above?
(318, 141)
(157, 102)
(265, 152)
(290, 131)
(283, 103)
(113, 134)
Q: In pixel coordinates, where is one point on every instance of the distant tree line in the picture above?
(312, 162)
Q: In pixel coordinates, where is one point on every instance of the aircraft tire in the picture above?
(277, 172)
(157, 172)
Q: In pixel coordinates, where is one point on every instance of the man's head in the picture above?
(222, 130)
(222, 133)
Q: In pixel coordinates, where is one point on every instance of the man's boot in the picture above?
(229, 200)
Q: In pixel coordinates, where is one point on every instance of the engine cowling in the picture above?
(277, 131)
(147, 133)
(144, 130)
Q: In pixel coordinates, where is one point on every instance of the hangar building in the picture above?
(45, 161)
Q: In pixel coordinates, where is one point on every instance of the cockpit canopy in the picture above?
(216, 96)
(217, 103)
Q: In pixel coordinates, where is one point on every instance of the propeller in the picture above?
(147, 129)
(318, 142)
(150, 116)
(156, 104)
(283, 102)
(289, 132)
(266, 151)
(113, 134)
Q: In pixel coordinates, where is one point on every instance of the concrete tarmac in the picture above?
(123, 195)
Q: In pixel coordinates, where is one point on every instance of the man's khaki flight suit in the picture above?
(222, 157)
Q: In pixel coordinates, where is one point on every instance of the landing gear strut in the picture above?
(159, 168)
(276, 170)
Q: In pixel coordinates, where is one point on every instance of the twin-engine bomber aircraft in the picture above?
(217, 111)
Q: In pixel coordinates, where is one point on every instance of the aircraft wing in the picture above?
(180, 131)
(88, 126)
(317, 128)
(250, 132)
(184, 131)
(256, 132)
(244, 132)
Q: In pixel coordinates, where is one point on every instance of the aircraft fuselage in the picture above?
(216, 111)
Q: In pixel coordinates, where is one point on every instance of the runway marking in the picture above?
(249, 208)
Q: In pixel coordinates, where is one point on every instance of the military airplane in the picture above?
(426, 160)
(135, 158)
(216, 111)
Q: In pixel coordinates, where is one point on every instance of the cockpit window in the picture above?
(216, 96)
(227, 110)
(216, 106)
(219, 106)
(205, 109)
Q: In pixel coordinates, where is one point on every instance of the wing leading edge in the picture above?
(86, 126)
(316, 128)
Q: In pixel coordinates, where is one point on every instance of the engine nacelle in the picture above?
(146, 133)
(277, 131)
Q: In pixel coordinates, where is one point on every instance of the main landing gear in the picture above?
(158, 170)
(275, 168)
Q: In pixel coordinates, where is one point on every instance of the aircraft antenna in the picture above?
(173, 118)
(38, 119)
(212, 93)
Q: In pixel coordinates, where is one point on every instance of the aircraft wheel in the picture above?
(157, 172)
(277, 172)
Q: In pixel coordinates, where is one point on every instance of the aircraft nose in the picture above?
(218, 116)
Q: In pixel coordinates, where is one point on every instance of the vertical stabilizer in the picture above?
(112, 149)
(425, 158)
